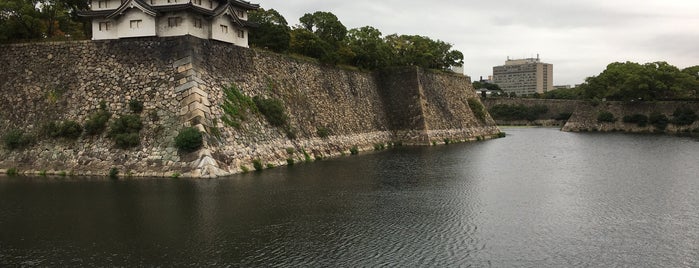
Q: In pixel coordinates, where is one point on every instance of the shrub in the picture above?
(273, 110)
(66, 129)
(113, 173)
(257, 164)
(447, 141)
(16, 139)
(175, 175)
(97, 121)
(683, 116)
(379, 146)
(354, 150)
(12, 172)
(269, 165)
(244, 169)
(124, 131)
(322, 132)
(658, 120)
(639, 119)
(605, 116)
(290, 161)
(477, 108)
(290, 150)
(136, 106)
(501, 134)
(189, 140)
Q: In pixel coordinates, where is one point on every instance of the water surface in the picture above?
(539, 197)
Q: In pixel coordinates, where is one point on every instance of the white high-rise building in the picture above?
(524, 76)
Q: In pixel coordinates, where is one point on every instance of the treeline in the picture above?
(322, 36)
(630, 81)
(27, 20)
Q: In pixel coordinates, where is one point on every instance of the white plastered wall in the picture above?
(97, 34)
(145, 28)
(185, 27)
(218, 34)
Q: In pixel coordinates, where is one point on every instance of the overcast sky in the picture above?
(578, 37)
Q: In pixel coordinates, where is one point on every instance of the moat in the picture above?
(537, 198)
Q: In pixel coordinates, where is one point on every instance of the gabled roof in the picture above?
(111, 13)
(226, 7)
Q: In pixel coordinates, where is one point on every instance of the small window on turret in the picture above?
(224, 29)
(102, 3)
(105, 26)
(174, 21)
(197, 23)
(135, 24)
(196, 2)
(241, 33)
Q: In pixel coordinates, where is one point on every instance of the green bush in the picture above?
(113, 173)
(136, 106)
(639, 119)
(290, 161)
(124, 131)
(257, 164)
(16, 139)
(66, 129)
(273, 110)
(379, 146)
(658, 120)
(606, 116)
(683, 116)
(12, 172)
(354, 150)
(97, 121)
(477, 108)
(189, 140)
(322, 132)
(306, 156)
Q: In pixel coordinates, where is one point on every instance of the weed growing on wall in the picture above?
(477, 108)
(257, 164)
(236, 107)
(273, 110)
(322, 132)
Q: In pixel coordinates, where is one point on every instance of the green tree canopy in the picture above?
(369, 48)
(22, 20)
(273, 31)
(326, 26)
(633, 81)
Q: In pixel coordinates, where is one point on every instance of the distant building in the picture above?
(524, 76)
(223, 20)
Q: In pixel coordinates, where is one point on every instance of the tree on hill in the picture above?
(22, 20)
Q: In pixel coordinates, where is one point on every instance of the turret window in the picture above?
(135, 24)
(196, 2)
(102, 3)
(241, 33)
(174, 21)
(224, 29)
(197, 23)
(105, 26)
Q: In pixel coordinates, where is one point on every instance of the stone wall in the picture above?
(555, 108)
(180, 81)
(585, 117)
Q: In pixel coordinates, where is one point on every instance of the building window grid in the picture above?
(135, 24)
(174, 21)
(105, 26)
(224, 29)
(197, 23)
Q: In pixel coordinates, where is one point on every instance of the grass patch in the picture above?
(322, 132)
(236, 107)
(257, 164)
(273, 110)
(477, 108)
(12, 172)
(354, 150)
(67, 129)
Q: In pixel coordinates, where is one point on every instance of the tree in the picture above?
(306, 43)
(633, 81)
(22, 20)
(273, 31)
(369, 48)
(326, 26)
(415, 50)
